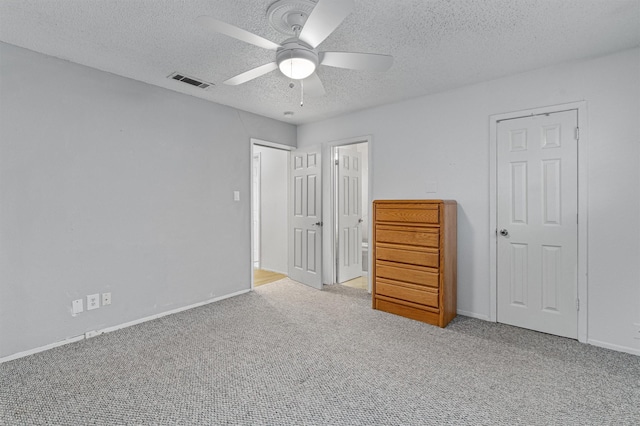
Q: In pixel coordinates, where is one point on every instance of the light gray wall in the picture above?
(273, 211)
(363, 148)
(445, 138)
(109, 184)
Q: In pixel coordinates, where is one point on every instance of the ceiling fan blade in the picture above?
(251, 74)
(313, 86)
(324, 19)
(238, 33)
(357, 61)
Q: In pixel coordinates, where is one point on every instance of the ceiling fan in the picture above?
(297, 57)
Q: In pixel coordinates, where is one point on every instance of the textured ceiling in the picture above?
(437, 45)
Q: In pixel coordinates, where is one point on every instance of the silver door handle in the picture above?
(317, 224)
(504, 232)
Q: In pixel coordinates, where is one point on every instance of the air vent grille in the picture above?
(190, 80)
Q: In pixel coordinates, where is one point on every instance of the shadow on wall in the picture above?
(466, 258)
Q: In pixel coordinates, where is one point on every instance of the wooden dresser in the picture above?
(414, 251)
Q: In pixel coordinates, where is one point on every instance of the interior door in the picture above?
(349, 239)
(305, 217)
(537, 210)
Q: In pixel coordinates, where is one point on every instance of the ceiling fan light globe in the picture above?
(296, 59)
(297, 68)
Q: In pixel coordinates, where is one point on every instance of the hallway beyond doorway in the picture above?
(261, 277)
(360, 282)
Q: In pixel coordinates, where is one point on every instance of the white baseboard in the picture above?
(94, 333)
(273, 270)
(41, 348)
(613, 347)
(473, 315)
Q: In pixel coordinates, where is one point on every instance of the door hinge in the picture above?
(337, 162)
(577, 304)
(577, 133)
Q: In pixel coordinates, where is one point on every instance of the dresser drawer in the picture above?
(407, 213)
(416, 294)
(406, 310)
(426, 237)
(414, 275)
(425, 257)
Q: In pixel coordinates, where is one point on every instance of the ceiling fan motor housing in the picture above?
(287, 16)
(296, 59)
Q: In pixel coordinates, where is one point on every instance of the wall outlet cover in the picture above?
(93, 301)
(431, 187)
(106, 299)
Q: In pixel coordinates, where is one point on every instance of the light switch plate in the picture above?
(236, 195)
(77, 306)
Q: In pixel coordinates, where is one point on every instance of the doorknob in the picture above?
(360, 220)
(317, 224)
(504, 232)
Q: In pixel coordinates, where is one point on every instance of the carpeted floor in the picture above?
(288, 354)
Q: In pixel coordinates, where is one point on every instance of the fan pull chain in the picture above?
(301, 93)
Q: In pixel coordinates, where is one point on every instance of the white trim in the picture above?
(171, 312)
(91, 334)
(253, 196)
(581, 108)
(273, 270)
(613, 347)
(42, 348)
(473, 315)
(275, 145)
(368, 139)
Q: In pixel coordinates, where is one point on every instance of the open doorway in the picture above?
(269, 213)
(351, 214)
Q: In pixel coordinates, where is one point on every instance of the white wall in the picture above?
(363, 148)
(108, 184)
(445, 138)
(273, 211)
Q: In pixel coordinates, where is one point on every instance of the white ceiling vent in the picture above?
(190, 80)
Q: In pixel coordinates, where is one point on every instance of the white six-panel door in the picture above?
(305, 217)
(349, 213)
(537, 222)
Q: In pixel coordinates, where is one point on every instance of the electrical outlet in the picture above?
(77, 306)
(93, 301)
(106, 299)
(636, 334)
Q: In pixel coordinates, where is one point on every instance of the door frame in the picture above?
(581, 108)
(333, 192)
(267, 144)
(257, 197)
